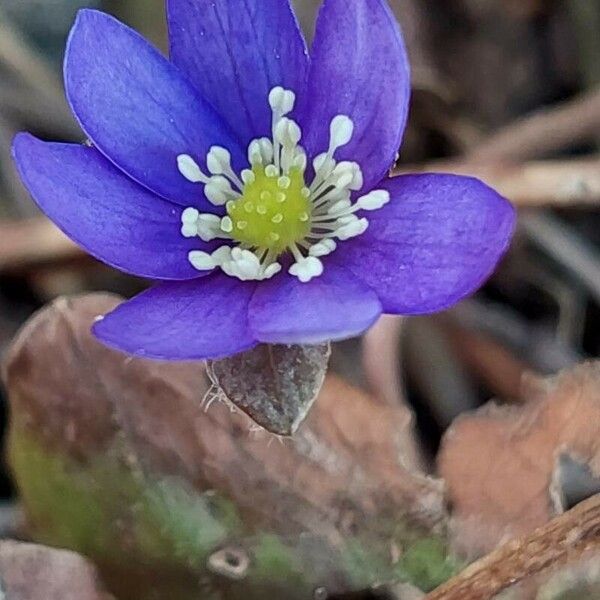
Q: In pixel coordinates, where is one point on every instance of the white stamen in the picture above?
(190, 215)
(209, 227)
(189, 230)
(373, 200)
(331, 210)
(288, 132)
(248, 176)
(306, 269)
(282, 101)
(218, 160)
(353, 229)
(266, 150)
(189, 168)
(340, 131)
(323, 248)
(201, 260)
(339, 207)
(218, 190)
(271, 270)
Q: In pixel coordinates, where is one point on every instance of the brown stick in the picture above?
(534, 184)
(560, 541)
(543, 132)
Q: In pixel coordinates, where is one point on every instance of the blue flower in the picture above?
(250, 178)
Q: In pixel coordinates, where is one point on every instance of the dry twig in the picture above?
(534, 184)
(543, 132)
(562, 540)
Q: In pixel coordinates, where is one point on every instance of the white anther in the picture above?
(218, 190)
(276, 96)
(190, 215)
(340, 131)
(202, 261)
(339, 207)
(266, 150)
(306, 268)
(289, 99)
(349, 175)
(189, 230)
(243, 264)
(271, 270)
(189, 168)
(346, 219)
(323, 248)
(288, 132)
(281, 101)
(373, 200)
(221, 255)
(322, 162)
(352, 229)
(260, 151)
(300, 160)
(218, 160)
(254, 153)
(208, 227)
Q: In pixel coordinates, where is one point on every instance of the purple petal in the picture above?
(188, 320)
(137, 108)
(436, 242)
(359, 68)
(112, 217)
(333, 306)
(235, 52)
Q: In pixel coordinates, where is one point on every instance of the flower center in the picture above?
(273, 211)
(270, 209)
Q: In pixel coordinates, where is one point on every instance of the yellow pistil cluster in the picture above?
(273, 211)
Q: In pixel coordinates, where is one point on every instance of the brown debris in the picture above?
(344, 465)
(30, 572)
(564, 183)
(566, 539)
(501, 464)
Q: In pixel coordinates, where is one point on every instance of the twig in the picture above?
(573, 252)
(562, 540)
(40, 85)
(534, 184)
(543, 132)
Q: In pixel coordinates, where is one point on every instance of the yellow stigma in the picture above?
(273, 211)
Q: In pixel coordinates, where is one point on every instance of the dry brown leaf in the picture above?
(343, 473)
(502, 464)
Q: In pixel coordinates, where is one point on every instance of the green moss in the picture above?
(272, 560)
(427, 564)
(105, 510)
(111, 512)
(364, 566)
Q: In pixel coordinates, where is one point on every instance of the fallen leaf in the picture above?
(121, 458)
(506, 467)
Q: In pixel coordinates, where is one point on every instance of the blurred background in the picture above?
(507, 90)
